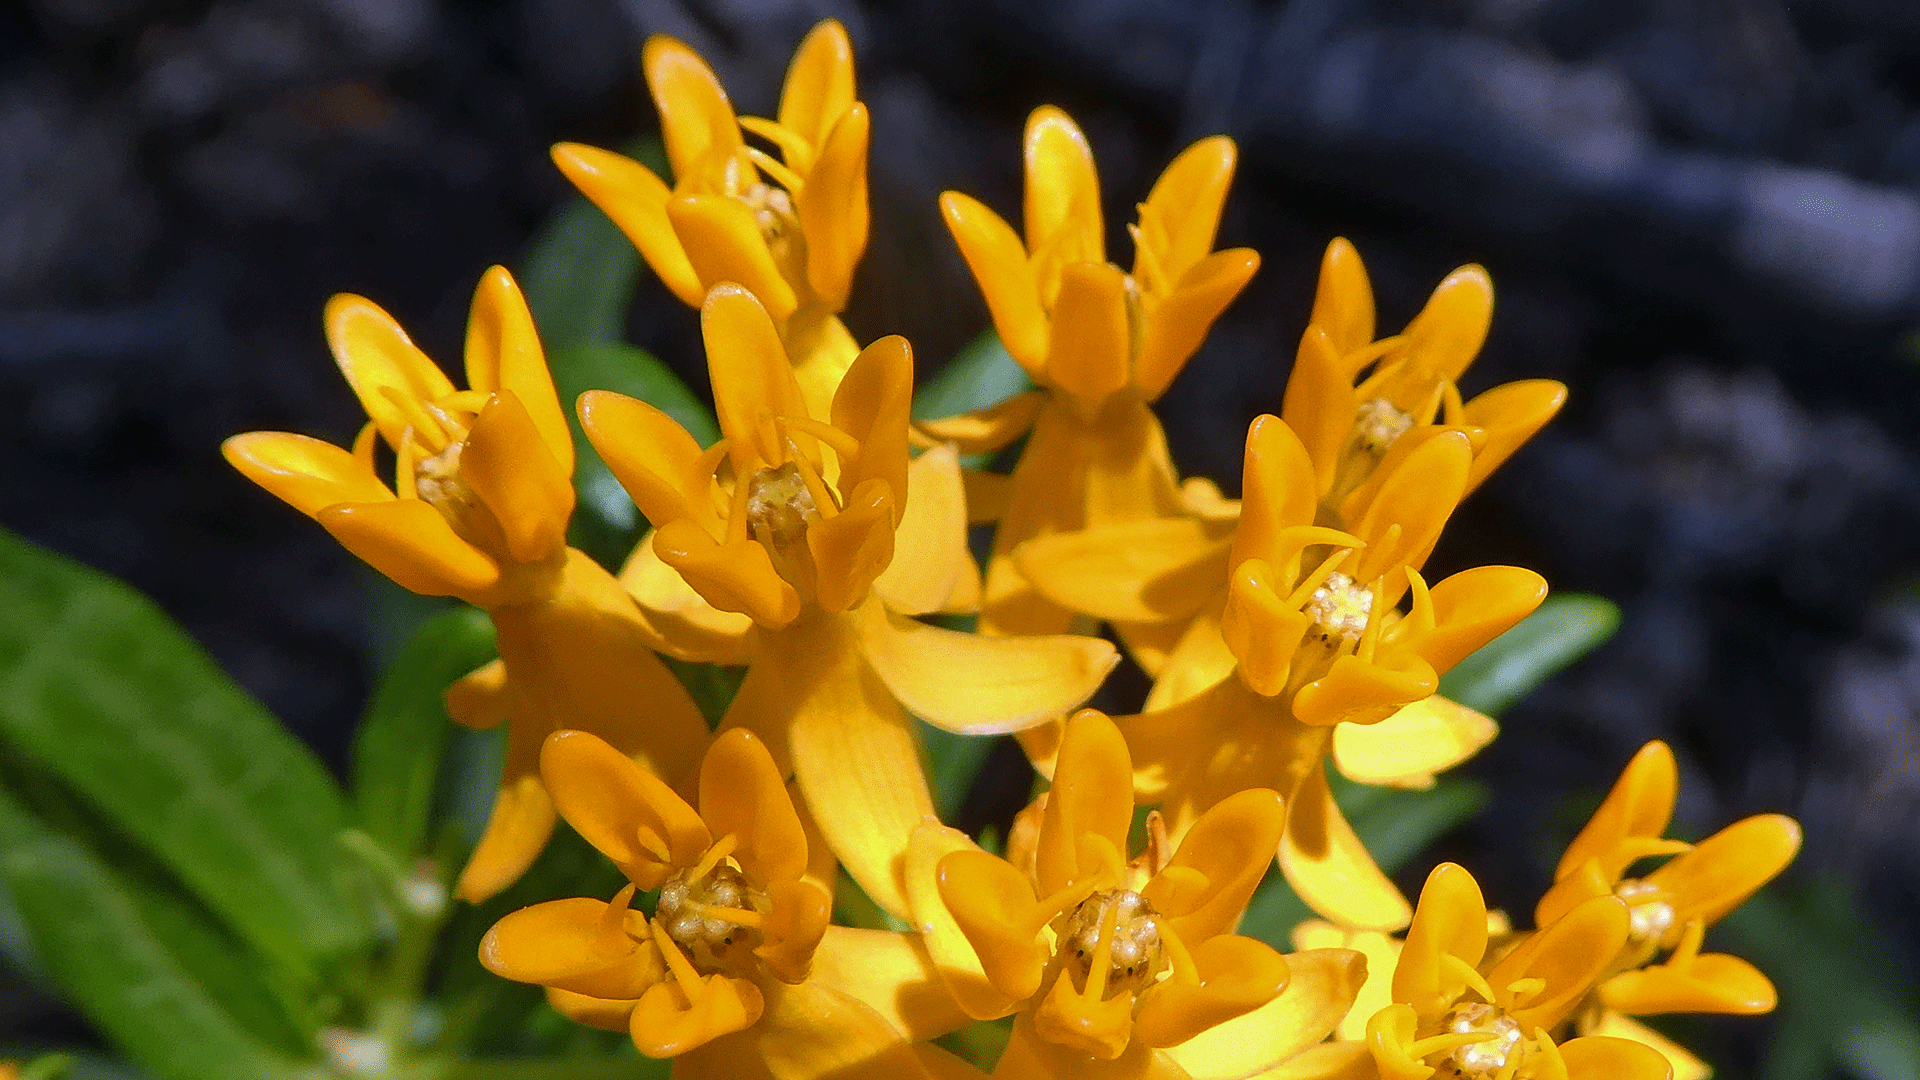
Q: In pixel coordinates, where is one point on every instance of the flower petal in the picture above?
(1199, 660)
(1330, 868)
(1447, 334)
(1062, 190)
(993, 905)
(509, 464)
(851, 548)
(1320, 405)
(672, 1018)
(1090, 339)
(600, 1013)
(1148, 571)
(951, 954)
(819, 86)
(651, 455)
(833, 208)
(1229, 848)
(479, 698)
(410, 542)
(1639, 805)
(813, 1032)
(1724, 869)
(873, 404)
(999, 264)
(1356, 692)
(1510, 414)
(891, 973)
(978, 685)
(1418, 496)
(1237, 975)
(519, 825)
(1343, 302)
(1277, 490)
(1091, 796)
(1599, 1057)
(724, 244)
(375, 354)
(1566, 955)
(306, 474)
(1407, 748)
(743, 795)
(1685, 1065)
(576, 944)
(1182, 212)
(737, 576)
(689, 628)
(503, 353)
(752, 380)
(1322, 985)
(931, 560)
(1178, 324)
(628, 814)
(1473, 607)
(799, 912)
(696, 119)
(985, 431)
(1450, 921)
(1032, 1055)
(636, 200)
(1710, 983)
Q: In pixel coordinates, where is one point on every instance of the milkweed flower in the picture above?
(719, 976)
(1101, 343)
(480, 512)
(1670, 907)
(1455, 1014)
(791, 230)
(799, 529)
(1118, 966)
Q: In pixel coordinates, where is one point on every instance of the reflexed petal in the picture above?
(1176, 327)
(1200, 659)
(690, 628)
(1277, 489)
(1062, 190)
(1230, 848)
(1450, 921)
(724, 244)
(620, 808)
(930, 556)
(1408, 747)
(696, 120)
(952, 955)
(993, 905)
(743, 795)
(1381, 953)
(1639, 805)
(1322, 985)
(1090, 338)
(1091, 796)
(872, 405)
(1510, 414)
(1183, 209)
(503, 353)
(1568, 955)
(999, 264)
(672, 1018)
(1473, 607)
(651, 455)
(306, 474)
(509, 464)
(892, 974)
(833, 209)
(479, 699)
(944, 1064)
(978, 685)
(519, 825)
(988, 495)
(987, 430)
(1330, 868)
(1447, 334)
(812, 1032)
(1685, 1065)
(1343, 303)
(594, 1012)
(1725, 868)
(1137, 571)
(1599, 1057)
(1327, 1061)
(851, 548)
(752, 380)
(738, 576)
(1319, 404)
(636, 200)
(410, 542)
(1356, 692)
(374, 353)
(575, 944)
(819, 86)
(1236, 976)
(797, 918)
(1710, 983)
(1032, 1055)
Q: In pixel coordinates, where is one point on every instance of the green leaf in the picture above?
(982, 373)
(396, 752)
(104, 693)
(955, 762)
(606, 515)
(101, 947)
(1506, 669)
(579, 278)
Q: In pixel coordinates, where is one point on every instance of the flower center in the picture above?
(1136, 957)
(780, 506)
(1340, 610)
(714, 917)
(437, 480)
(1649, 913)
(1500, 1052)
(1377, 424)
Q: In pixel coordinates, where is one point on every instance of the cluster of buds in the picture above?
(1286, 632)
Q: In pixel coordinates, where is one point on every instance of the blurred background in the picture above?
(1703, 215)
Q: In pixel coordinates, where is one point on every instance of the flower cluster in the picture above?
(1287, 632)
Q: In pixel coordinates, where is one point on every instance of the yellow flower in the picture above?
(1359, 405)
(1456, 1016)
(1118, 967)
(790, 230)
(1101, 343)
(721, 973)
(481, 514)
(1671, 906)
(1321, 662)
(800, 531)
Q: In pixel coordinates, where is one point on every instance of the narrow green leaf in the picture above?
(711, 687)
(1506, 669)
(396, 752)
(955, 762)
(1397, 825)
(982, 373)
(579, 277)
(102, 691)
(101, 948)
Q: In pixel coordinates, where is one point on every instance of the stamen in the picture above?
(842, 443)
(1112, 944)
(1378, 423)
(1340, 610)
(1649, 910)
(1497, 1048)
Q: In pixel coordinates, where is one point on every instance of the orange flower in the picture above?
(481, 514)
